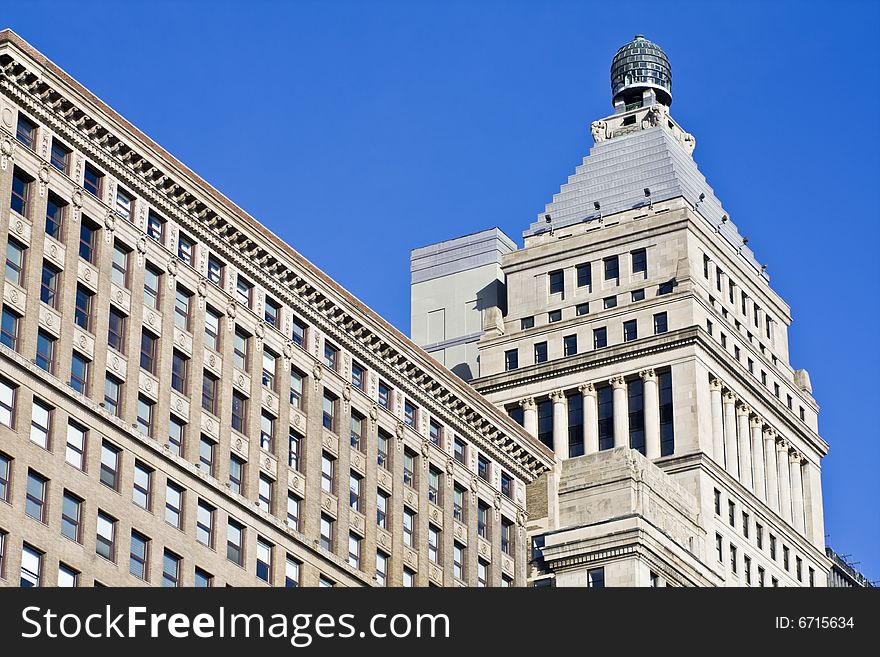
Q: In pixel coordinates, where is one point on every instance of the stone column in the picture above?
(771, 468)
(784, 479)
(815, 522)
(530, 415)
(560, 424)
(730, 458)
(621, 412)
(591, 418)
(745, 446)
(797, 492)
(651, 403)
(757, 444)
(717, 422)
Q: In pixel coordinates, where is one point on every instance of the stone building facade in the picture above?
(643, 343)
(185, 400)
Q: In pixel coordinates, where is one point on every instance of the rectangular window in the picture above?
(733, 559)
(116, 331)
(152, 286)
(156, 227)
(358, 376)
(41, 421)
(759, 535)
(71, 517)
(666, 288)
(554, 316)
(328, 473)
(381, 568)
(557, 282)
(719, 548)
(293, 511)
(483, 520)
(49, 283)
(15, 262)
(119, 269)
(236, 474)
(21, 192)
(176, 435)
(67, 576)
(540, 352)
(667, 425)
(210, 392)
(212, 329)
(26, 132)
(31, 566)
(483, 468)
(526, 323)
(410, 413)
(596, 578)
(83, 309)
(584, 275)
(605, 408)
(186, 249)
(600, 338)
(570, 345)
(145, 414)
(638, 295)
(383, 450)
(459, 498)
(56, 209)
(216, 270)
(179, 371)
(207, 447)
(235, 542)
(264, 559)
(731, 514)
(458, 560)
(291, 572)
(745, 524)
(409, 578)
(174, 505)
(105, 544)
(409, 527)
(240, 349)
(640, 261)
(294, 447)
(785, 557)
(582, 309)
(328, 526)
(296, 388)
(149, 351)
(244, 291)
(330, 407)
(142, 489)
(5, 475)
(612, 268)
(435, 433)
(660, 324)
(76, 445)
(265, 493)
(270, 361)
(60, 157)
(354, 550)
(123, 204)
(506, 485)
(7, 402)
(171, 570)
(482, 573)
(434, 485)
(92, 180)
(110, 457)
(203, 579)
(183, 309)
(433, 544)
(609, 302)
(357, 430)
(382, 502)
(298, 334)
(272, 313)
(409, 467)
(717, 502)
(205, 524)
(630, 330)
(384, 395)
(507, 536)
(239, 412)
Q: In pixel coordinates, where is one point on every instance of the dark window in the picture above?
(55, 211)
(557, 281)
(299, 334)
(82, 315)
(358, 376)
(239, 412)
(666, 288)
(605, 402)
(575, 425)
(236, 474)
(526, 323)
(60, 156)
(612, 268)
(116, 331)
(92, 179)
(630, 330)
(235, 542)
(511, 359)
(609, 302)
(636, 407)
(110, 465)
(272, 313)
(139, 555)
(79, 373)
(582, 309)
(596, 578)
(26, 132)
(600, 338)
(88, 241)
(49, 285)
(46, 352)
(540, 352)
(21, 187)
(554, 316)
(640, 261)
(10, 329)
(584, 275)
(667, 428)
(506, 485)
(209, 392)
(545, 422)
(35, 496)
(330, 404)
(570, 345)
(149, 352)
(660, 325)
(638, 295)
(483, 468)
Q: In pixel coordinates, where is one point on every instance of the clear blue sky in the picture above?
(377, 127)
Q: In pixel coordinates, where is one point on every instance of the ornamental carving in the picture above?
(648, 375)
(599, 130)
(587, 389)
(43, 176)
(346, 393)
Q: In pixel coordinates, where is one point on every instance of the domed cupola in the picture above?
(640, 66)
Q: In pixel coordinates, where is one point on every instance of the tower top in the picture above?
(640, 67)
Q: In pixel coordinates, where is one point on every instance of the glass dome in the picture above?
(637, 66)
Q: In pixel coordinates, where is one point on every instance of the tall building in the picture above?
(187, 401)
(844, 574)
(643, 343)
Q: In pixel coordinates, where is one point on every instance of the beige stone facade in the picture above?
(172, 369)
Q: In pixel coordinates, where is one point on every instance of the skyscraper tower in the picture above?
(643, 343)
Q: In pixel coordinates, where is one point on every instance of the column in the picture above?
(730, 458)
(815, 522)
(591, 418)
(745, 447)
(797, 492)
(758, 457)
(771, 469)
(621, 412)
(783, 479)
(560, 424)
(717, 422)
(651, 403)
(530, 415)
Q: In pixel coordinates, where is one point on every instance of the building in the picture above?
(845, 574)
(298, 438)
(643, 343)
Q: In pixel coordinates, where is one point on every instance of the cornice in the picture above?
(55, 99)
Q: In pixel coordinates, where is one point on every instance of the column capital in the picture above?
(742, 408)
(648, 375)
(757, 421)
(782, 444)
(714, 385)
(587, 389)
(729, 397)
(558, 396)
(770, 433)
(527, 403)
(795, 456)
(617, 382)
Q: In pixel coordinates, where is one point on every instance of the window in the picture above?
(630, 330)
(381, 568)
(600, 338)
(215, 271)
(731, 514)
(328, 473)
(296, 388)
(540, 352)
(203, 579)
(435, 433)
(557, 282)
(507, 536)
(209, 392)
(179, 369)
(145, 410)
(291, 572)
(10, 329)
(155, 227)
(49, 285)
(409, 467)
(71, 517)
(5, 475)
(660, 324)
(76, 445)
(212, 329)
(298, 334)
(123, 204)
(717, 502)
(67, 576)
(745, 524)
(294, 449)
(596, 578)
(83, 310)
(171, 570)
(293, 511)
(207, 448)
(433, 544)
(785, 557)
(434, 487)
(116, 331)
(410, 413)
(526, 323)
(612, 268)
(582, 309)
(665, 288)
(639, 261)
(240, 348)
(186, 249)
(327, 530)
(105, 544)
(605, 410)
(357, 430)
(719, 548)
(60, 157)
(174, 505)
(354, 550)
(149, 351)
(799, 569)
(205, 524)
(384, 395)
(459, 496)
(119, 272)
(511, 360)
(15, 264)
(458, 560)
(330, 404)
(409, 527)
(267, 432)
(459, 452)
(176, 433)
(483, 520)
(265, 493)
(409, 578)
(26, 132)
(638, 295)
(609, 302)
(55, 211)
(235, 542)
(239, 412)
(244, 291)
(383, 452)
(92, 180)
(570, 345)
(358, 376)
(21, 188)
(382, 500)
(183, 309)
(733, 559)
(584, 275)
(7, 402)
(270, 361)
(773, 547)
(759, 535)
(152, 286)
(31, 566)
(506, 581)
(142, 489)
(264, 559)
(272, 313)
(482, 573)
(236, 474)
(110, 465)
(554, 316)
